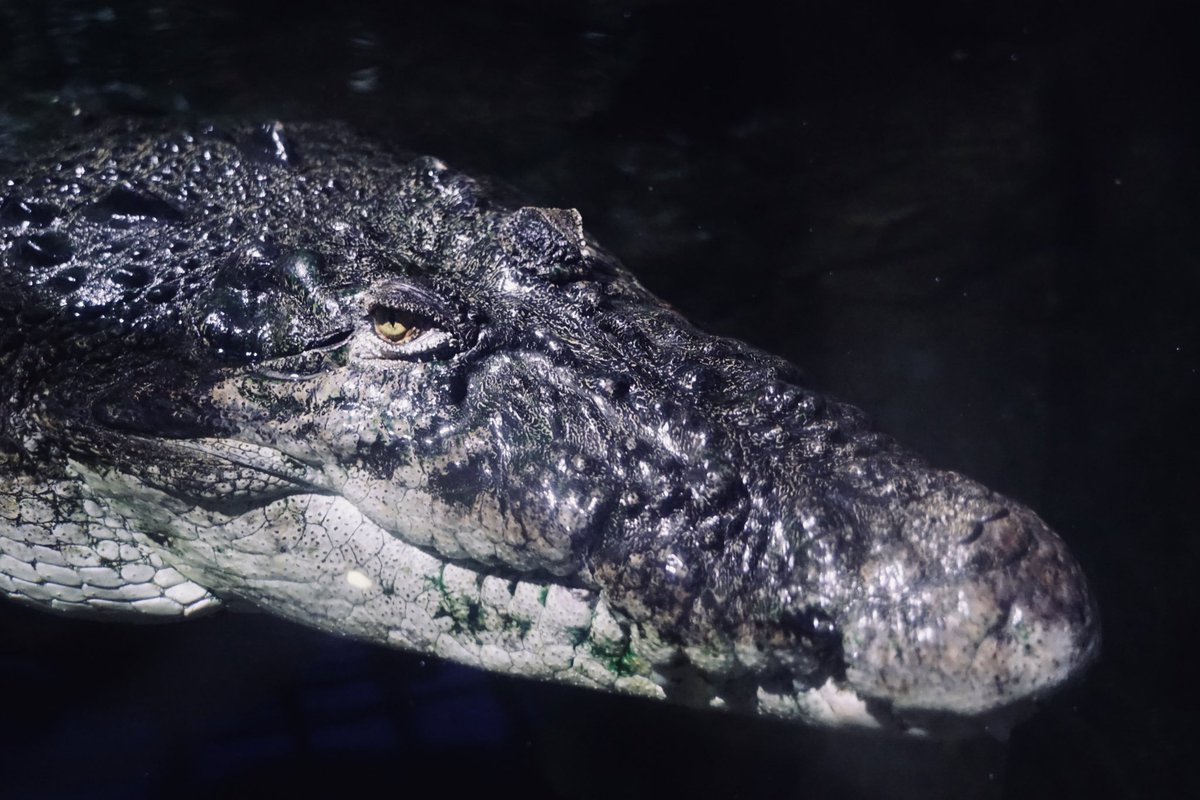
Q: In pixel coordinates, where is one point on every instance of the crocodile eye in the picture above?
(410, 334)
(396, 325)
(413, 323)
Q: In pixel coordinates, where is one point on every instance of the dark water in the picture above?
(977, 225)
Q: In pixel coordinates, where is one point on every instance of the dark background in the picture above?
(976, 221)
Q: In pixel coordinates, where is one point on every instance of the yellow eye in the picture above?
(394, 325)
(412, 324)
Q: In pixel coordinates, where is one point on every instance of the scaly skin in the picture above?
(286, 366)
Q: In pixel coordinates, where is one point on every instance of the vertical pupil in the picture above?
(391, 324)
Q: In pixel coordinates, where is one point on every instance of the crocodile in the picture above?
(290, 367)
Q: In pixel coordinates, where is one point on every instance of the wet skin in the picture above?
(289, 366)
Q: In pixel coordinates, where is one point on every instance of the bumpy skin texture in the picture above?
(283, 365)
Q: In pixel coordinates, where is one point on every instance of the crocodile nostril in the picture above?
(973, 536)
(979, 526)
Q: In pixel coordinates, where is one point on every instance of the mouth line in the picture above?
(259, 459)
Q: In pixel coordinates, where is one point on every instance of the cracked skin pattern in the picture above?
(288, 366)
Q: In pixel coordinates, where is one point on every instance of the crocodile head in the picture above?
(289, 367)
